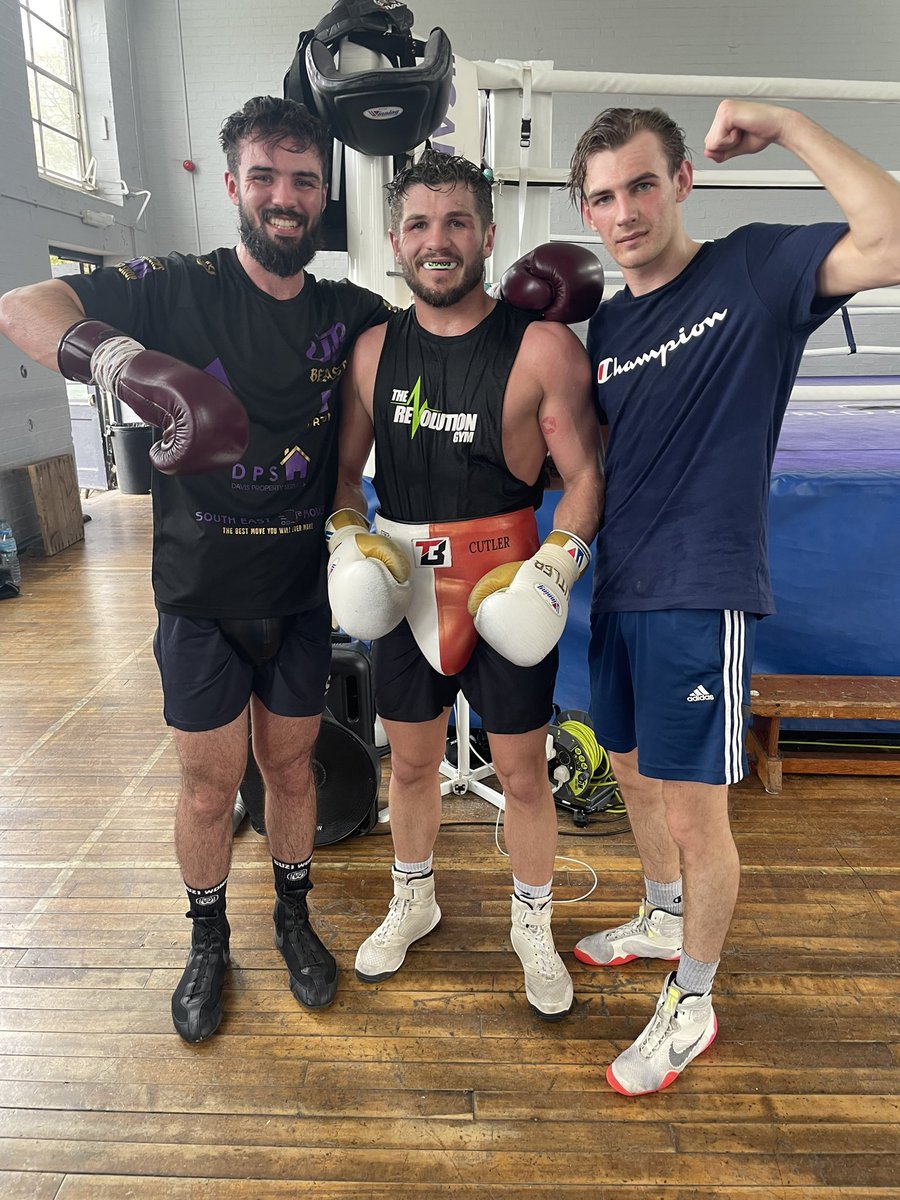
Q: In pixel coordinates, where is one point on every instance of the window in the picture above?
(54, 89)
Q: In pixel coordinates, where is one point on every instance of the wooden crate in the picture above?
(54, 483)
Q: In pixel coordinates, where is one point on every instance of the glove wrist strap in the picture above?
(111, 358)
(341, 523)
(573, 547)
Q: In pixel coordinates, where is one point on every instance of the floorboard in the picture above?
(438, 1082)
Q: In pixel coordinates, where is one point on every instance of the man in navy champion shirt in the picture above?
(694, 362)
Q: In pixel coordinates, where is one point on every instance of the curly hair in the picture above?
(271, 120)
(436, 171)
(616, 126)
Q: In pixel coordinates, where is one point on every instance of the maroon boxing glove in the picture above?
(204, 425)
(561, 281)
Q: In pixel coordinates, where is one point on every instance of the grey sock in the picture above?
(668, 896)
(694, 976)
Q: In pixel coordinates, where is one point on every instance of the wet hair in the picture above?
(437, 171)
(616, 126)
(271, 120)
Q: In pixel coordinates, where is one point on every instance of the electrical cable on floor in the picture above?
(558, 857)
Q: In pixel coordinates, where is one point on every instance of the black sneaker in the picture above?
(197, 1001)
(311, 967)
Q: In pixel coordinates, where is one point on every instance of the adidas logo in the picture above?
(700, 693)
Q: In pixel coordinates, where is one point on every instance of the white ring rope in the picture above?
(822, 352)
(849, 392)
(498, 76)
(721, 179)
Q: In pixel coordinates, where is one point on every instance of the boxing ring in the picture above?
(835, 496)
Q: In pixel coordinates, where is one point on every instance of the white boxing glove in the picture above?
(520, 608)
(368, 577)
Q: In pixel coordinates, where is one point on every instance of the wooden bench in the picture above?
(848, 697)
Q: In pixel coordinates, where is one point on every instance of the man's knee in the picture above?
(410, 769)
(209, 795)
(524, 776)
(696, 814)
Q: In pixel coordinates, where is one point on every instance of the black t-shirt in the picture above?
(438, 411)
(244, 541)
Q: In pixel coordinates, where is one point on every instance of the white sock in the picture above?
(532, 891)
(413, 869)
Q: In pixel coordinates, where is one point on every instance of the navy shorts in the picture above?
(509, 699)
(675, 684)
(207, 683)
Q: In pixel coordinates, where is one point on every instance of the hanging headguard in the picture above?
(384, 111)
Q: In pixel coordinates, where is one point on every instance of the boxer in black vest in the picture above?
(465, 396)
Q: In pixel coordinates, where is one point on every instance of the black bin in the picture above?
(131, 454)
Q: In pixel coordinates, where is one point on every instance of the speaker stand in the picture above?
(462, 777)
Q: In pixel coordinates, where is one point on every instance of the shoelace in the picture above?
(545, 951)
(203, 952)
(635, 925)
(395, 914)
(662, 1026)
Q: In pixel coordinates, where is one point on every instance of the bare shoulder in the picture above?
(367, 350)
(550, 345)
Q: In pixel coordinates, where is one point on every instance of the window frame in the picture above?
(35, 70)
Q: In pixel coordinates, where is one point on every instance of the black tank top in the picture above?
(437, 411)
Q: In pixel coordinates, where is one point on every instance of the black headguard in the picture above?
(385, 111)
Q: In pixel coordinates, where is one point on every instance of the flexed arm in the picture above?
(869, 255)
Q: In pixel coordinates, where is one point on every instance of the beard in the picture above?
(282, 257)
(472, 277)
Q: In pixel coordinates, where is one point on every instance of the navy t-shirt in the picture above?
(693, 380)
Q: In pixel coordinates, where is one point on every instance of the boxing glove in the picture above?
(368, 577)
(561, 281)
(520, 608)
(204, 425)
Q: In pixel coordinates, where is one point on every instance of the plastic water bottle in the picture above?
(9, 555)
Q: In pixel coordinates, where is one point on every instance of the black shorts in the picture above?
(508, 699)
(207, 683)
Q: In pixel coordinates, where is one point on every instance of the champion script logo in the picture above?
(608, 368)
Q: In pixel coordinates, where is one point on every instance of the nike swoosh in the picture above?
(677, 1058)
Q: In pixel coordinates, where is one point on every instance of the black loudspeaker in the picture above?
(347, 772)
(350, 698)
(346, 766)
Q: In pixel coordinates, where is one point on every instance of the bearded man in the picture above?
(238, 550)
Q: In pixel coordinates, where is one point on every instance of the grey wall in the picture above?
(165, 72)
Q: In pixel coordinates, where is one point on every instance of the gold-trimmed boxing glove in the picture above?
(520, 608)
(368, 577)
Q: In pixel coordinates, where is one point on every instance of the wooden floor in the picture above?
(436, 1083)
